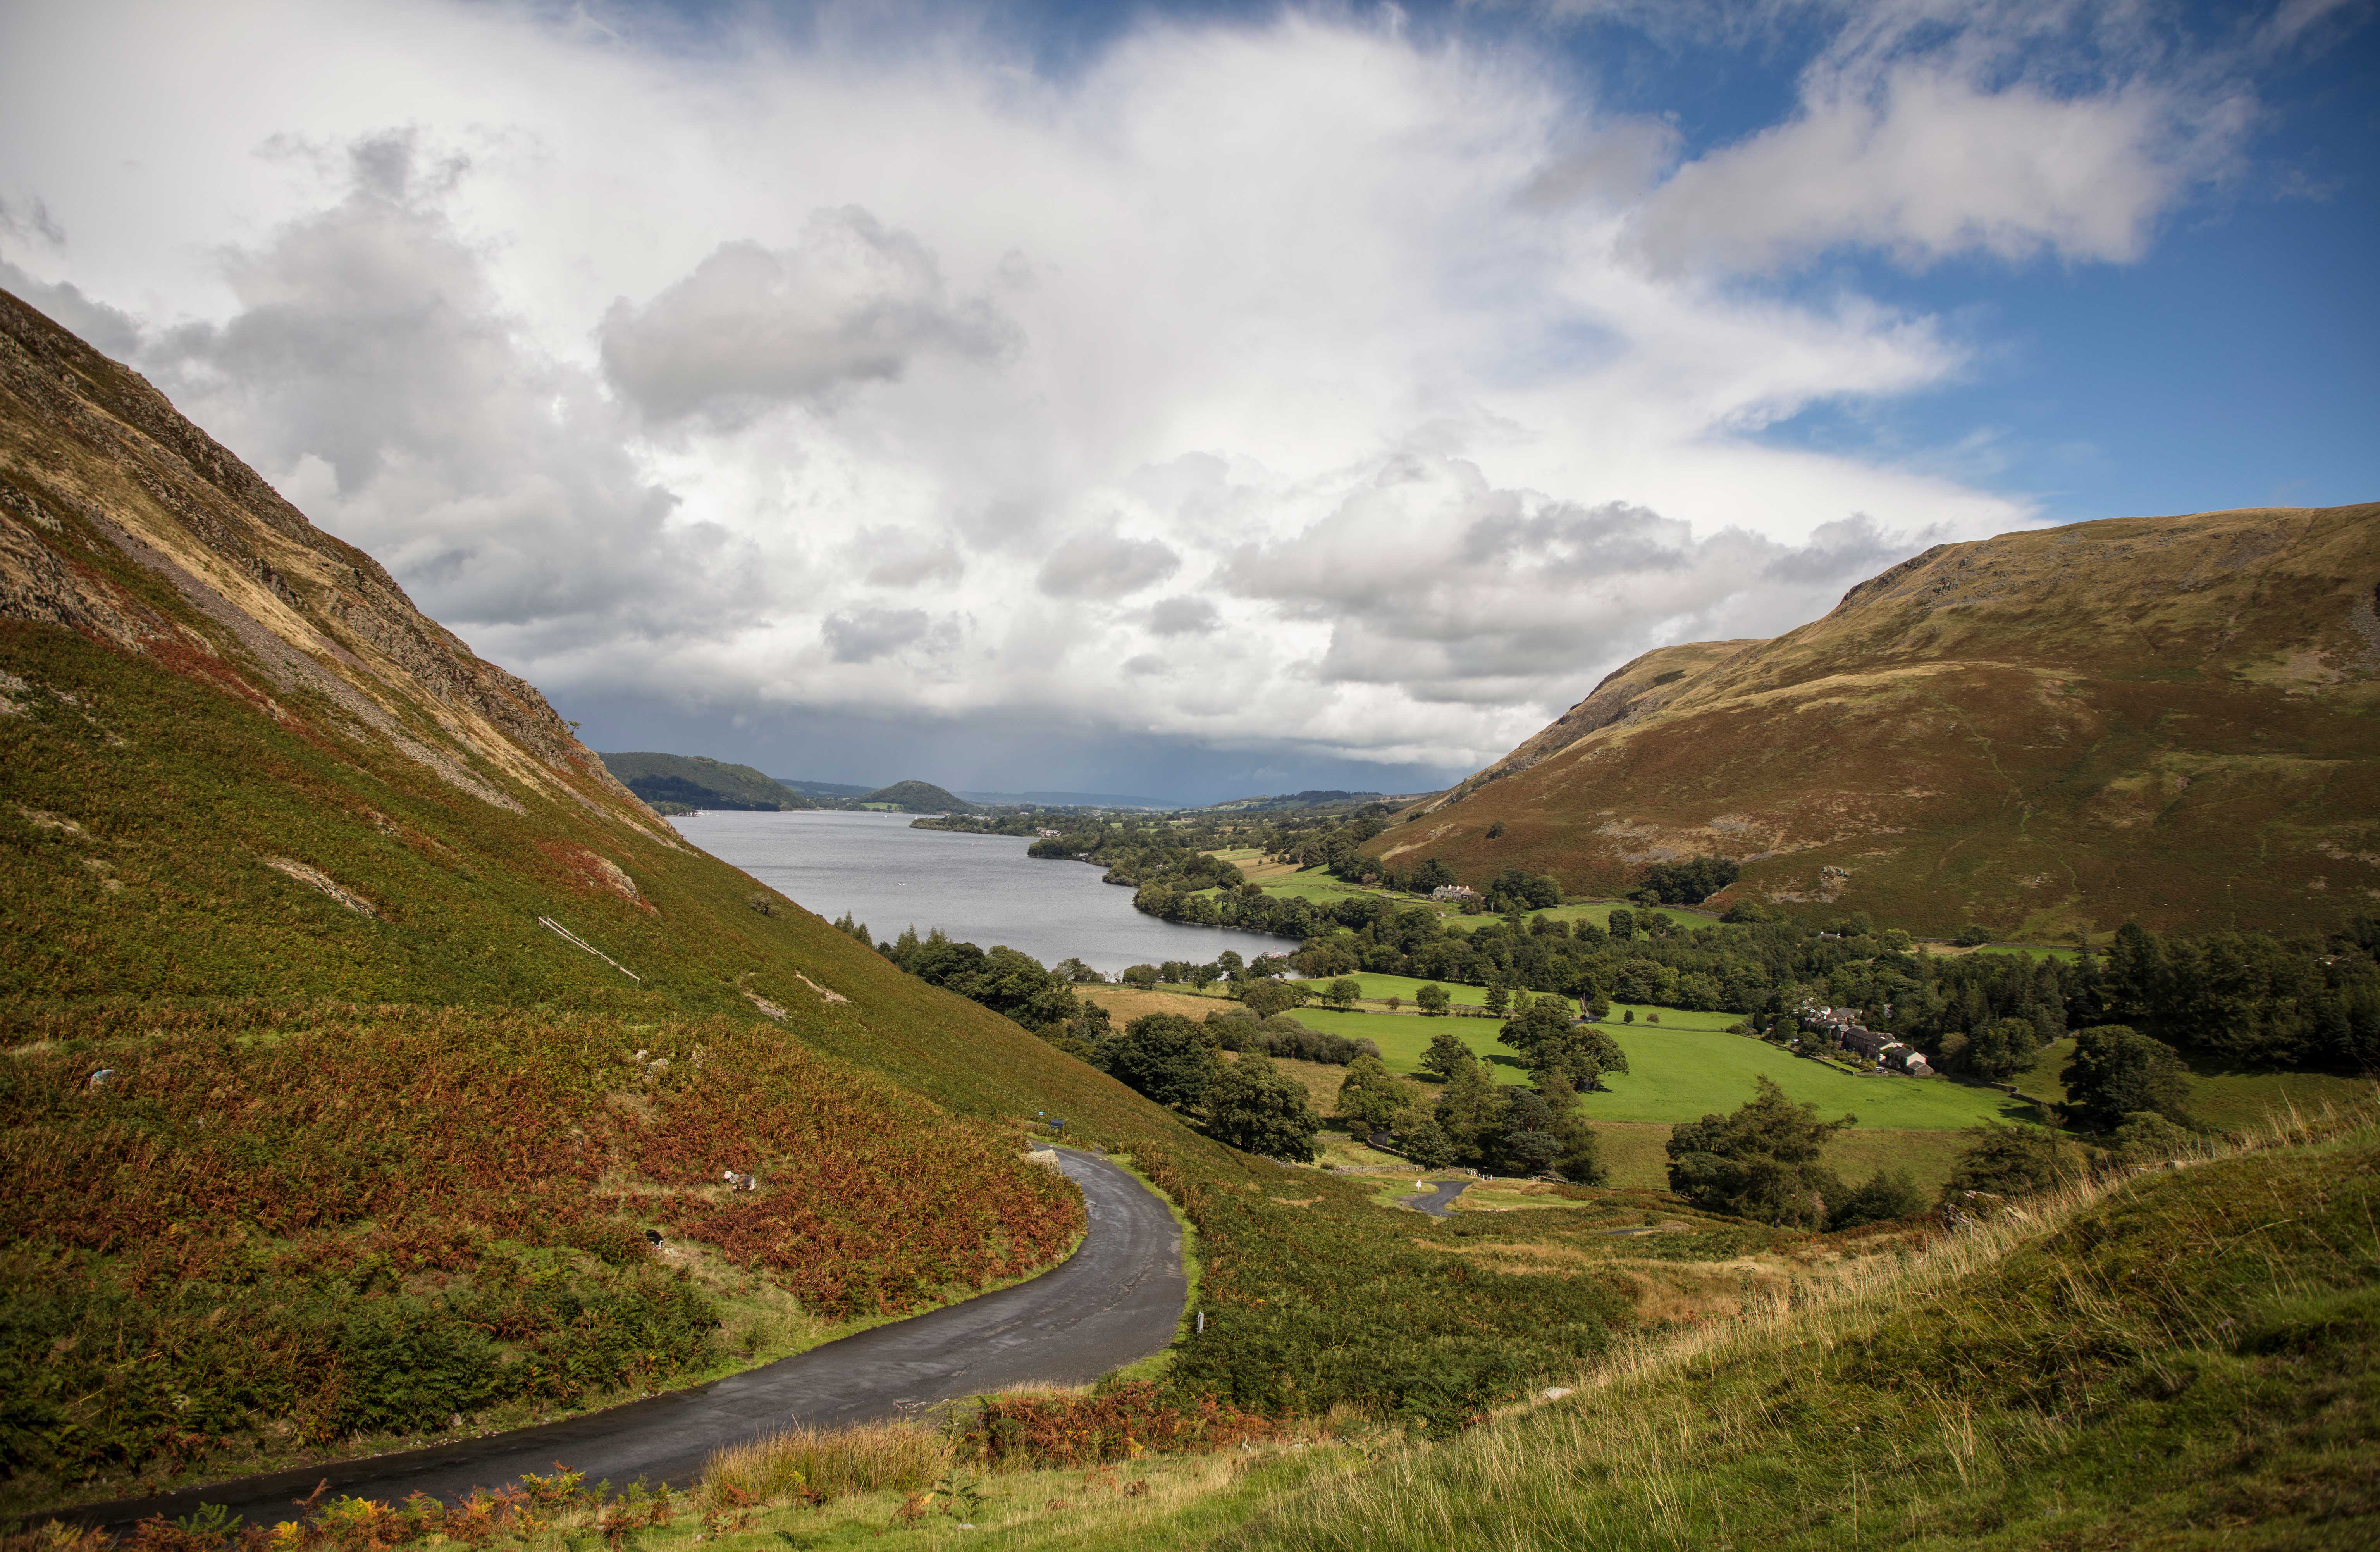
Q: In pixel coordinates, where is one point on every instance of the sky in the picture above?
(1203, 399)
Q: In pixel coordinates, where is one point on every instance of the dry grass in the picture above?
(874, 1457)
(1651, 1447)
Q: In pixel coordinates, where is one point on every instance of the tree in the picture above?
(1372, 1097)
(1545, 1018)
(1499, 999)
(1970, 936)
(1265, 998)
(1257, 1108)
(2012, 1161)
(2000, 1048)
(1761, 1162)
(1622, 923)
(1432, 1001)
(1579, 1054)
(1163, 1056)
(1422, 1139)
(1204, 976)
(1343, 992)
(1446, 1052)
(2117, 1073)
(1882, 1199)
(1469, 1110)
(1142, 976)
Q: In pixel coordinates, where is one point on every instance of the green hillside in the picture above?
(2167, 720)
(412, 1020)
(698, 781)
(918, 797)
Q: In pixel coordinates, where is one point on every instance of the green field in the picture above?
(1685, 1068)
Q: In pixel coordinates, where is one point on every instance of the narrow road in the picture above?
(1438, 1204)
(1115, 1300)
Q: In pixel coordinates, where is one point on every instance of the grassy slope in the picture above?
(2160, 718)
(2188, 1361)
(205, 693)
(290, 1158)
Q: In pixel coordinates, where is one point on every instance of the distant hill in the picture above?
(2169, 719)
(1312, 799)
(920, 797)
(698, 781)
(823, 789)
(1064, 800)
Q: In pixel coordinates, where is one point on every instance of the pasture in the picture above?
(1687, 1066)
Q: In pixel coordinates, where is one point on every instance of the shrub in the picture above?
(1883, 1198)
(1020, 1432)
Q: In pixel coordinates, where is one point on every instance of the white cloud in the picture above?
(896, 380)
(853, 302)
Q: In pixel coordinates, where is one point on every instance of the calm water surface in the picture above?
(980, 889)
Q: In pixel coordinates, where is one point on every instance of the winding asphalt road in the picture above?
(1438, 1204)
(1116, 1299)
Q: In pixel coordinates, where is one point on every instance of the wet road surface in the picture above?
(1115, 1300)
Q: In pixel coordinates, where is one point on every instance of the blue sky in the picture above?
(1202, 398)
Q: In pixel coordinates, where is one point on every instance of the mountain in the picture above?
(920, 797)
(2173, 720)
(361, 1026)
(698, 781)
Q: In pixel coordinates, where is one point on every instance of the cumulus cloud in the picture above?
(372, 370)
(868, 634)
(1460, 593)
(1183, 614)
(1104, 565)
(899, 381)
(852, 302)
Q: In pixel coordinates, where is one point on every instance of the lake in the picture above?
(979, 890)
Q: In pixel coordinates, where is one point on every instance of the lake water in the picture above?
(979, 890)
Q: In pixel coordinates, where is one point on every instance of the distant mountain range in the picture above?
(2175, 720)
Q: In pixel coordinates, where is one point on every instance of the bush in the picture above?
(1970, 936)
(1018, 1433)
(2012, 1161)
(1884, 1197)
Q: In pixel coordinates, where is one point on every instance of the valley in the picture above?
(382, 1071)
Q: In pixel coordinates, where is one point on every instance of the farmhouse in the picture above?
(1454, 892)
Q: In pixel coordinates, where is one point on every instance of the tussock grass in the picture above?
(874, 1457)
